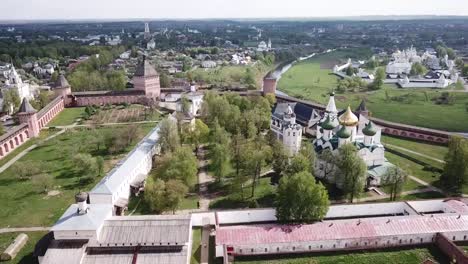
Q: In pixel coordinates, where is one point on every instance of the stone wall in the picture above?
(454, 253)
(18, 135)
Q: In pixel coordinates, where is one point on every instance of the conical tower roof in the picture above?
(61, 82)
(145, 69)
(331, 106)
(26, 107)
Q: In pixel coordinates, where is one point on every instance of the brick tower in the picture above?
(27, 114)
(146, 78)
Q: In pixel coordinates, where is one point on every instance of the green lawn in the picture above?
(263, 197)
(68, 116)
(312, 80)
(25, 255)
(431, 150)
(21, 198)
(44, 134)
(395, 256)
(196, 245)
(415, 169)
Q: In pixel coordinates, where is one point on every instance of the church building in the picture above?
(337, 129)
(284, 126)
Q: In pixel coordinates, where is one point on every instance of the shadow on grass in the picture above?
(433, 250)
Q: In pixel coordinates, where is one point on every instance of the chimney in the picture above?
(81, 200)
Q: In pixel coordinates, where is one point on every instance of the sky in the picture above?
(179, 9)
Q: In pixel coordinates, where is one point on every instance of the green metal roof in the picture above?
(343, 133)
(370, 129)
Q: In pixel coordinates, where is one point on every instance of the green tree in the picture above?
(199, 134)
(307, 150)
(257, 155)
(11, 100)
(379, 78)
(164, 80)
(301, 199)
(456, 166)
(169, 138)
(25, 170)
(280, 157)
(43, 182)
(175, 192)
(297, 164)
(394, 179)
(249, 79)
(451, 53)
(352, 171)
(155, 195)
(441, 51)
(329, 159)
(418, 69)
(85, 165)
(219, 154)
(100, 165)
(180, 164)
(54, 76)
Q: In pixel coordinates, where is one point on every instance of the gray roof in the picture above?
(150, 230)
(92, 220)
(61, 82)
(113, 180)
(145, 69)
(59, 252)
(26, 107)
(142, 258)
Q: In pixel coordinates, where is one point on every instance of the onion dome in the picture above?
(343, 133)
(328, 124)
(81, 197)
(370, 129)
(348, 118)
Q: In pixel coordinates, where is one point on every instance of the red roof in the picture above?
(340, 229)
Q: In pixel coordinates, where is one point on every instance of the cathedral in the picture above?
(336, 129)
(14, 82)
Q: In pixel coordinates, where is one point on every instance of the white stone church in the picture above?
(335, 130)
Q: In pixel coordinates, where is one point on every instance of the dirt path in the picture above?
(203, 181)
(23, 229)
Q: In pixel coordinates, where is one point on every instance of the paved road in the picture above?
(23, 229)
(415, 153)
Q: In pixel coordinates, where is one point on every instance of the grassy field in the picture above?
(431, 150)
(396, 256)
(67, 117)
(25, 255)
(21, 198)
(312, 80)
(43, 134)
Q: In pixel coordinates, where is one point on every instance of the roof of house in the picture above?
(147, 229)
(111, 183)
(91, 220)
(345, 229)
(70, 252)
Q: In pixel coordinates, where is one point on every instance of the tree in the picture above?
(441, 51)
(175, 193)
(307, 150)
(280, 157)
(418, 69)
(85, 164)
(219, 154)
(465, 71)
(329, 159)
(54, 77)
(249, 79)
(11, 101)
(352, 171)
(164, 80)
(378, 79)
(394, 178)
(180, 164)
(256, 155)
(301, 199)
(155, 195)
(451, 53)
(25, 170)
(297, 164)
(350, 71)
(199, 134)
(43, 182)
(456, 168)
(168, 136)
(100, 165)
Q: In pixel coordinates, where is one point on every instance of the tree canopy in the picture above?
(352, 171)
